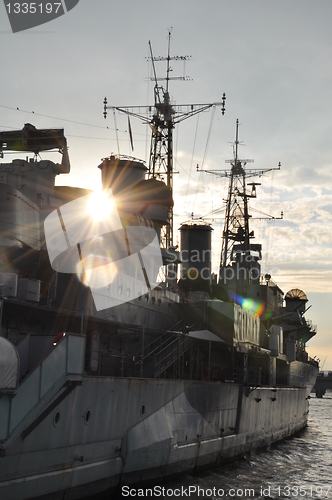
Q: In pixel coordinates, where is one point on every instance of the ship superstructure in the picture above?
(179, 377)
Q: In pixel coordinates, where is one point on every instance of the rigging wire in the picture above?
(205, 154)
(6, 127)
(53, 117)
(147, 104)
(204, 158)
(258, 228)
(116, 131)
(212, 212)
(191, 162)
(100, 138)
(197, 187)
(273, 222)
(262, 213)
(175, 153)
(209, 136)
(270, 231)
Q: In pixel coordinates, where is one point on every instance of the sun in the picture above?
(100, 205)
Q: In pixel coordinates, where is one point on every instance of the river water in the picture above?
(300, 467)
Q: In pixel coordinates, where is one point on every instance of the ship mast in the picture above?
(236, 229)
(236, 241)
(162, 118)
(162, 125)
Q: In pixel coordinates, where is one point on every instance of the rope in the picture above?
(204, 157)
(270, 232)
(209, 135)
(52, 117)
(116, 131)
(191, 163)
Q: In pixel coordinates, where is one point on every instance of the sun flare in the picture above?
(100, 205)
(97, 272)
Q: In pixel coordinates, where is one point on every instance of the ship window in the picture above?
(56, 418)
(87, 416)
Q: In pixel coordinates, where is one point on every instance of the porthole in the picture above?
(87, 416)
(56, 418)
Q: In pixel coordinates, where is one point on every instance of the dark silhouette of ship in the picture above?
(190, 373)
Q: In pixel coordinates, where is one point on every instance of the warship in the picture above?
(123, 359)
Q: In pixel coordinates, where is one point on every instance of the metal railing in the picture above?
(151, 361)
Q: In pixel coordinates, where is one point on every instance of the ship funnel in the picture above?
(121, 173)
(196, 255)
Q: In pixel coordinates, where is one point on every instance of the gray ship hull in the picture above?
(111, 431)
(178, 376)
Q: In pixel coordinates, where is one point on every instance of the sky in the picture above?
(273, 61)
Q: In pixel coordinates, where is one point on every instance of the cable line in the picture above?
(53, 117)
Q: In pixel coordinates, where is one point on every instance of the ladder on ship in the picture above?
(163, 352)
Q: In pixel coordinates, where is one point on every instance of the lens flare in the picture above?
(96, 271)
(249, 305)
